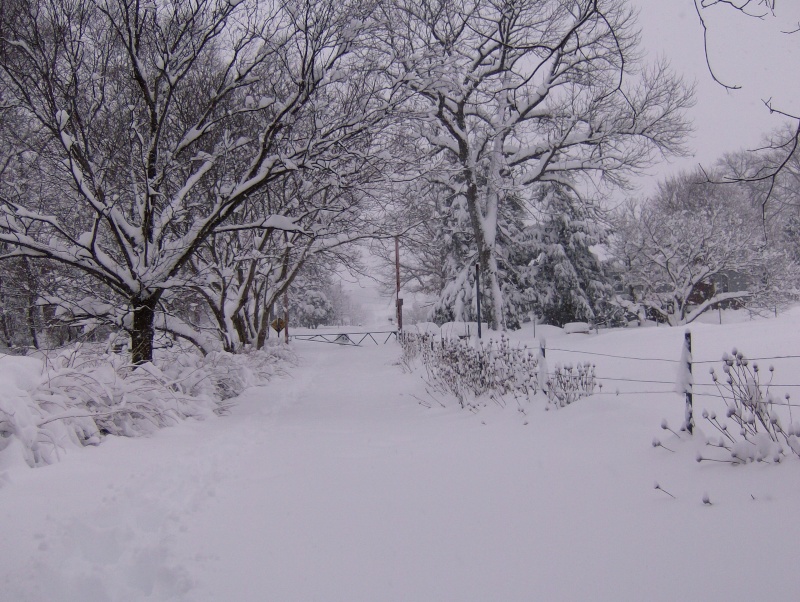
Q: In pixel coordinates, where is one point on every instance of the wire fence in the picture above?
(746, 394)
(670, 378)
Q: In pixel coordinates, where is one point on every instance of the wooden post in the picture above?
(398, 301)
(689, 418)
(541, 367)
(286, 316)
(478, 295)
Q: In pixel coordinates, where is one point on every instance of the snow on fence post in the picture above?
(542, 366)
(685, 381)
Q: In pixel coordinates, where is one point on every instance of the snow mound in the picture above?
(79, 396)
(577, 328)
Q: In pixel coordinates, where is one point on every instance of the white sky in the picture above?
(749, 52)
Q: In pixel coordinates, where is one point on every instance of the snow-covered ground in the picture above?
(337, 482)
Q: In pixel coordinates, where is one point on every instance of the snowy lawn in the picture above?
(337, 483)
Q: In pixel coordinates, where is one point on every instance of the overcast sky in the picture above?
(748, 52)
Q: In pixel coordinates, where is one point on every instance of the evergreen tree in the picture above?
(570, 282)
(515, 251)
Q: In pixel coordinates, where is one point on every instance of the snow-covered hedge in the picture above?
(82, 394)
(497, 369)
(458, 367)
(455, 366)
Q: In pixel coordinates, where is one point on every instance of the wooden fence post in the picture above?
(688, 382)
(542, 366)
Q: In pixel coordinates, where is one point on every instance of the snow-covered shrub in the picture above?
(78, 396)
(759, 433)
(570, 383)
(457, 367)
(221, 375)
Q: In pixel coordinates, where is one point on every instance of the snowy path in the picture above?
(336, 484)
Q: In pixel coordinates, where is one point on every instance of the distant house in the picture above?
(727, 281)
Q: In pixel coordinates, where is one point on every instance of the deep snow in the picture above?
(336, 483)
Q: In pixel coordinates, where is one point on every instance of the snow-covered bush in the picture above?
(570, 383)
(760, 433)
(457, 367)
(80, 395)
(221, 375)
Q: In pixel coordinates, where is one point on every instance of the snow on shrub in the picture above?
(494, 368)
(466, 372)
(221, 375)
(760, 434)
(570, 383)
(77, 397)
(756, 426)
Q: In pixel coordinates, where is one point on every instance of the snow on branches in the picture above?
(140, 130)
(509, 94)
(695, 246)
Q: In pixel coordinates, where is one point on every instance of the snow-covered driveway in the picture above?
(336, 484)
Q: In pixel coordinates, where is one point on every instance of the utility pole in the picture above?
(398, 301)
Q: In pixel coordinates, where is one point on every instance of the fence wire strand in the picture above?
(622, 357)
(751, 359)
(718, 395)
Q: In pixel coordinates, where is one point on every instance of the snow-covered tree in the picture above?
(674, 251)
(439, 244)
(144, 127)
(312, 310)
(240, 272)
(512, 93)
(570, 282)
(310, 303)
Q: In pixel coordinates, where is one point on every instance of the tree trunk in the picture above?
(30, 318)
(486, 255)
(3, 319)
(241, 332)
(142, 333)
(263, 329)
(32, 290)
(6, 333)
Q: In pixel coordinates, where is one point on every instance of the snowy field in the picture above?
(337, 482)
